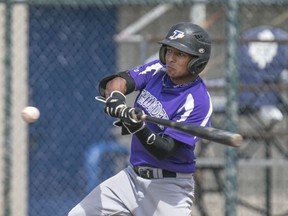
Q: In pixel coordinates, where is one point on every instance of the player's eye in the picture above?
(182, 54)
(169, 51)
(176, 53)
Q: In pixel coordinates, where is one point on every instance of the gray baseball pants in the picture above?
(127, 194)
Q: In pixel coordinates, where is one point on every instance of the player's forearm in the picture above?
(121, 81)
(116, 84)
(160, 146)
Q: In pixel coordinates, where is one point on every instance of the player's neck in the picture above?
(184, 80)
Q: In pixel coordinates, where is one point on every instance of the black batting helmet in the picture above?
(191, 39)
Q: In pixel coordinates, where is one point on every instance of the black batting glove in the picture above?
(115, 103)
(131, 119)
(130, 114)
(119, 123)
(133, 128)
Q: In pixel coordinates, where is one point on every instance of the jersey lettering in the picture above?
(152, 105)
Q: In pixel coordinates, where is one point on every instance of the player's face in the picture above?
(176, 62)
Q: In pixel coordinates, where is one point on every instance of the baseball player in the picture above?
(159, 180)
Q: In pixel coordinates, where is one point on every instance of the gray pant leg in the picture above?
(127, 194)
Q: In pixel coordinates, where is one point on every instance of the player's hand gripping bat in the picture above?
(208, 133)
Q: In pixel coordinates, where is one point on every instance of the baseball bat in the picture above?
(208, 133)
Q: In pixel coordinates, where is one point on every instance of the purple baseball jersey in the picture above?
(159, 97)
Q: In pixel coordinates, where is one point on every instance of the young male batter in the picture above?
(159, 181)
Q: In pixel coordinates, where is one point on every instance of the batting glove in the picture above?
(115, 103)
(131, 119)
(130, 114)
(119, 123)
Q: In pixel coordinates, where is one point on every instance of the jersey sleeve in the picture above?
(142, 74)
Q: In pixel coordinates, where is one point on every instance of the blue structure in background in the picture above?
(102, 160)
(262, 63)
(70, 49)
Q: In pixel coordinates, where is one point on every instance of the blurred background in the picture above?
(55, 52)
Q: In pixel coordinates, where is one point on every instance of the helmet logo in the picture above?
(177, 34)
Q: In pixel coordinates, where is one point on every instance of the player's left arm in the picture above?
(159, 145)
(121, 82)
(114, 88)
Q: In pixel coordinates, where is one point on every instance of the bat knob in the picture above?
(137, 114)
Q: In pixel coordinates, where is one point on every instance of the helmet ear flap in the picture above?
(162, 53)
(195, 66)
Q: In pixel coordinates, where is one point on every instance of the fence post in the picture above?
(230, 183)
(8, 110)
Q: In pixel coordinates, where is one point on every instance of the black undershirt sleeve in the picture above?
(130, 84)
(160, 146)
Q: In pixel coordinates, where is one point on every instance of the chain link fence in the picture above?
(54, 53)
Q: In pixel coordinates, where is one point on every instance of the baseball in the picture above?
(30, 114)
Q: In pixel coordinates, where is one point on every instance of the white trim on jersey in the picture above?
(188, 107)
(157, 67)
(207, 117)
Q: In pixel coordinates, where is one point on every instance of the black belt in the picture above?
(150, 173)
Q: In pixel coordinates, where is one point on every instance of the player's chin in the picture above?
(171, 72)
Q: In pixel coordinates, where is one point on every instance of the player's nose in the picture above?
(170, 57)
